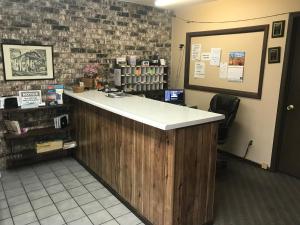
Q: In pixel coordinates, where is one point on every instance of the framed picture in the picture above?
(274, 55)
(278, 29)
(27, 62)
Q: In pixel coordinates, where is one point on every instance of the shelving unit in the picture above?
(41, 128)
(141, 78)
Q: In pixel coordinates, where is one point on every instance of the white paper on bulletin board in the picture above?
(223, 70)
(215, 56)
(199, 70)
(196, 51)
(235, 73)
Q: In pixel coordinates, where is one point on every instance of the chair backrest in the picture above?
(227, 105)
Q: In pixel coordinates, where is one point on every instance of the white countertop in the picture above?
(158, 114)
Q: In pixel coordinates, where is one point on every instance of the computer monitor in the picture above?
(175, 96)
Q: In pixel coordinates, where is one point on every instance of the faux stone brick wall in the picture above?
(81, 32)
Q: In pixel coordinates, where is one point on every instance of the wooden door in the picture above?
(289, 155)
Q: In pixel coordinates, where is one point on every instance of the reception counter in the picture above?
(159, 158)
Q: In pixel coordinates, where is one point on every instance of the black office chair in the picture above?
(227, 105)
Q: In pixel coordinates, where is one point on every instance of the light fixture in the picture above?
(163, 3)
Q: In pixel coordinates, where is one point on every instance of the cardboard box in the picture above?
(49, 146)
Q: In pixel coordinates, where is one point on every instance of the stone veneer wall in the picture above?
(81, 32)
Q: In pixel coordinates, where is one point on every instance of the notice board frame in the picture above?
(242, 30)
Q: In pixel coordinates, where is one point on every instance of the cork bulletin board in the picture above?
(252, 41)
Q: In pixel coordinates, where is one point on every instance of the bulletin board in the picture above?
(214, 77)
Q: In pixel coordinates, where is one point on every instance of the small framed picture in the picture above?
(274, 55)
(278, 29)
(27, 62)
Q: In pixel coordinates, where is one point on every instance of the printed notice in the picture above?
(215, 56)
(235, 73)
(223, 70)
(199, 70)
(205, 56)
(196, 51)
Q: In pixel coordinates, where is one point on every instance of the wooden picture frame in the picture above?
(243, 31)
(27, 62)
(274, 55)
(278, 29)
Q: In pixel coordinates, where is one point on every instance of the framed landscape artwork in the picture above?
(27, 62)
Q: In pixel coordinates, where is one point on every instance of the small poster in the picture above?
(237, 58)
(33, 97)
(223, 70)
(215, 56)
(199, 70)
(205, 56)
(196, 51)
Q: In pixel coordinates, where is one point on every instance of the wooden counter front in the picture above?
(168, 177)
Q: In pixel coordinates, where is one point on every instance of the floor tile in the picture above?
(84, 199)
(30, 180)
(128, 219)
(100, 217)
(60, 196)
(83, 173)
(67, 178)
(47, 176)
(2, 196)
(25, 218)
(111, 222)
(71, 184)
(21, 209)
(15, 192)
(72, 214)
(62, 172)
(92, 207)
(82, 221)
(66, 205)
(33, 186)
(33, 195)
(93, 186)
(50, 182)
(118, 210)
(53, 220)
(101, 193)
(109, 201)
(41, 202)
(34, 223)
(78, 191)
(12, 185)
(3, 204)
(7, 222)
(76, 168)
(46, 211)
(17, 200)
(55, 189)
(4, 214)
(87, 180)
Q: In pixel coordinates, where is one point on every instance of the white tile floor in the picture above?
(58, 192)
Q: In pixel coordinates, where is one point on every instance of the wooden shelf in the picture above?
(36, 133)
(17, 110)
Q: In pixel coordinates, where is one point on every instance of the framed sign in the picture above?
(32, 97)
(27, 62)
(274, 55)
(278, 29)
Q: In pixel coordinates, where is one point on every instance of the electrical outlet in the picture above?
(250, 142)
(264, 166)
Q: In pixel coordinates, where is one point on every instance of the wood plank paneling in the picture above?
(167, 176)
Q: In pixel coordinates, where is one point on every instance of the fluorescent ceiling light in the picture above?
(163, 3)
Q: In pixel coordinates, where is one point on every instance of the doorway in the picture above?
(286, 148)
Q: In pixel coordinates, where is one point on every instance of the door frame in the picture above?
(284, 87)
